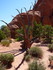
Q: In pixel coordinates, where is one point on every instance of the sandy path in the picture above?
(14, 47)
(17, 61)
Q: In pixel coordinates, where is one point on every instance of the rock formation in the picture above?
(41, 12)
(46, 9)
(24, 18)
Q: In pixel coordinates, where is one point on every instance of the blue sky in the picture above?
(8, 8)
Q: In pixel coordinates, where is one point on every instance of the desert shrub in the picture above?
(2, 67)
(37, 30)
(47, 33)
(5, 42)
(9, 40)
(27, 57)
(6, 30)
(51, 61)
(36, 66)
(19, 38)
(2, 35)
(18, 33)
(50, 47)
(6, 59)
(35, 52)
(52, 41)
(51, 58)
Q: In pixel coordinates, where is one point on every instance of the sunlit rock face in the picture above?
(25, 19)
(46, 9)
(17, 21)
(43, 12)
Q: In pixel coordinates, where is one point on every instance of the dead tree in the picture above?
(27, 37)
(26, 44)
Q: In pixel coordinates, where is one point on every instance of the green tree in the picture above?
(2, 35)
(48, 33)
(37, 30)
(18, 33)
(6, 30)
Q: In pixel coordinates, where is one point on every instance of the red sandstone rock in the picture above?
(31, 17)
(41, 12)
(46, 9)
(26, 19)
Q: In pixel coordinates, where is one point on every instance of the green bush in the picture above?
(6, 59)
(27, 57)
(6, 30)
(35, 52)
(2, 67)
(52, 41)
(50, 47)
(36, 66)
(2, 35)
(18, 33)
(19, 38)
(5, 42)
(9, 40)
(37, 30)
(47, 33)
(51, 58)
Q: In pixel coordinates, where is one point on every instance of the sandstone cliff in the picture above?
(46, 9)
(42, 12)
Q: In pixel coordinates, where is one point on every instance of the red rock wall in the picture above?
(46, 9)
(43, 13)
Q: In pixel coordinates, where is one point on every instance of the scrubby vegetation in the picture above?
(51, 58)
(51, 61)
(6, 30)
(45, 32)
(5, 42)
(2, 35)
(2, 67)
(35, 52)
(36, 66)
(37, 30)
(48, 33)
(6, 59)
(27, 58)
(50, 47)
(18, 36)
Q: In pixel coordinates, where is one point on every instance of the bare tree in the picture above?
(27, 37)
